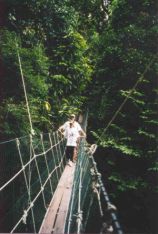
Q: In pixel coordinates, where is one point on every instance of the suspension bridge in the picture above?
(40, 193)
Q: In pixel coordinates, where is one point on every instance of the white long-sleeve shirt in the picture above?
(71, 133)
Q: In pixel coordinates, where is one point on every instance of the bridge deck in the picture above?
(54, 220)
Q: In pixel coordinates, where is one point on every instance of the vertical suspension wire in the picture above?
(79, 164)
(86, 191)
(85, 173)
(39, 176)
(99, 201)
(86, 181)
(24, 88)
(88, 211)
(48, 172)
(27, 186)
(79, 213)
(62, 139)
(73, 205)
(57, 135)
(85, 164)
(53, 155)
(30, 172)
(58, 153)
(63, 142)
(71, 208)
(55, 142)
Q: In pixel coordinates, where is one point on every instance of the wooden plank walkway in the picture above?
(55, 218)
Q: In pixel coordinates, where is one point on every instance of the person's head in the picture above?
(72, 118)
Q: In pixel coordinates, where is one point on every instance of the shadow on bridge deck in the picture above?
(55, 218)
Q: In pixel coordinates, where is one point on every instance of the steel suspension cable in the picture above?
(28, 189)
(48, 172)
(53, 155)
(140, 79)
(24, 88)
(39, 175)
(79, 212)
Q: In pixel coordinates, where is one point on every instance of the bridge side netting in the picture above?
(90, 210)
(30, 169)
(83, 197)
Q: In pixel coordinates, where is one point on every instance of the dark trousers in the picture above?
(70, 152)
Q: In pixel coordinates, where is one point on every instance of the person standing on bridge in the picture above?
(72, 131)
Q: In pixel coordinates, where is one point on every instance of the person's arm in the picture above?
(82, 133)
(80, 130)
(62, 128)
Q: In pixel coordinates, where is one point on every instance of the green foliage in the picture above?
(123, 51)
(71, 72)
(14, 119)
(124, 184)
(35, 67)
(54, 59)
(123, 54)
(154, 167)
(73, 58)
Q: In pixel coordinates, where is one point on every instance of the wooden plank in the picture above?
(64, 205)
(54, 210)
(50, 216)
(48, 222)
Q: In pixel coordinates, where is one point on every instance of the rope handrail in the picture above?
(13, 139)
(45, 168)
(24, 166)
(24, 88)
(111, 207)
(22, 137)
(28, 189)
(89, 189)
(42, 188)
(85, 191)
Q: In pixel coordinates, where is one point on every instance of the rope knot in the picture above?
(17, 142)
(41, 135)
(92, 148)
(24, 217)
(31, 204)
(32, 132)
(79, 216)
(111, 207)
